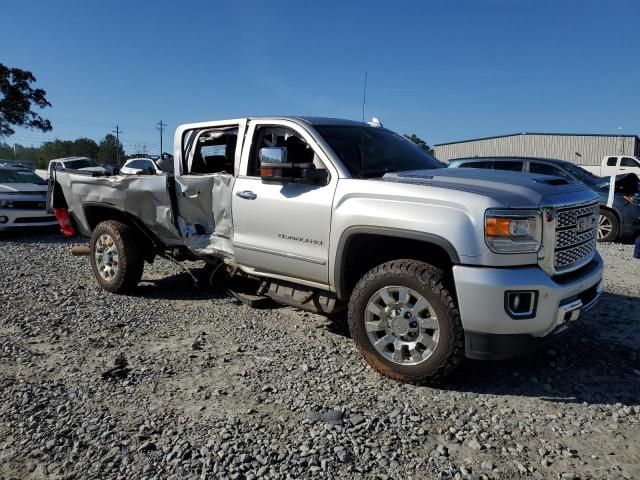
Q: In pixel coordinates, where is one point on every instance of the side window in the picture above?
(611, 161)
(511, 165)
(546, 169)
(628, 162)
(298, 151)
(213, 152)
(476, 165)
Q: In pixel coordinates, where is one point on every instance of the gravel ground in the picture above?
(207, 388)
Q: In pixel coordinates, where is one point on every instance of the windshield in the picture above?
(82, 163)
(375, 150)
(20, 176)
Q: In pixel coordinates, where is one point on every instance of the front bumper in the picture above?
(25, 218)
(492, 333)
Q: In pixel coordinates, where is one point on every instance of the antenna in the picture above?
(364, 95)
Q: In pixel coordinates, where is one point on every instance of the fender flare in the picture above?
(348, 234)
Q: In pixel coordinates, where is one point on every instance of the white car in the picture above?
(23, 199)
(76, 163)
(134, 166)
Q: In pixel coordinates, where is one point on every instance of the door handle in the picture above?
(247, 195)
(190, 193)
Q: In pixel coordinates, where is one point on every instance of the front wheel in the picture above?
(406, 323)
(116, 258)
(608, 226)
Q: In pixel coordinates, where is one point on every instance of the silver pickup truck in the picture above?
(432, 263)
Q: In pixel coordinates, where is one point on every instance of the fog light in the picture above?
(4, 219)
(521, 304)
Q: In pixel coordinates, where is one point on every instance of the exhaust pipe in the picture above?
(80, 250)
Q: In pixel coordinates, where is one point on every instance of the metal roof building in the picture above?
(581, 149)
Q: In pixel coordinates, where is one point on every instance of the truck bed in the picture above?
(146, 198)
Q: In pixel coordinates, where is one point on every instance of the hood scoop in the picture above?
(552, 181)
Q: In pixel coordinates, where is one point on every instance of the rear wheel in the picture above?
(406, 323)
(116, 257)
(608, 226)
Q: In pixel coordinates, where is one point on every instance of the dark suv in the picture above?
(620, 221)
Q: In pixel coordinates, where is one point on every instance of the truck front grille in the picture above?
(576, 235)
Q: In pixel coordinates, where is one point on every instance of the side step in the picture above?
(315, 301)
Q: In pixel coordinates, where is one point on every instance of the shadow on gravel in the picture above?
(338, 324)
(588, 364)
(181, 286)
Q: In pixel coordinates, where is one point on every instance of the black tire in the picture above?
(428, 282)
(130, 261)
(610, 217)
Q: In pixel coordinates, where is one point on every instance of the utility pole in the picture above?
(117, 131)
(161, 128)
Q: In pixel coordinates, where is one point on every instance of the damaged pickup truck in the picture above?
(322, 214)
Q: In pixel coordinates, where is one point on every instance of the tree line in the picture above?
(105, 152)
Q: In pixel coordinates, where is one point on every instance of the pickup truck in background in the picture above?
(615, 165)
(75, 163)
(431, 263)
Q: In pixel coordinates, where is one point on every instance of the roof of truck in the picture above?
(293, 118)
(326, 121)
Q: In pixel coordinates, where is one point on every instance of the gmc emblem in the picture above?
(586, 223)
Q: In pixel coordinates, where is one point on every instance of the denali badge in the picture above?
(300, 239)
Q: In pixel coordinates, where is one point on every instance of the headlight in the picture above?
(6, 204)
(513, 231)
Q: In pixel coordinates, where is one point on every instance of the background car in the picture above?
(138, 165)
(23, 199)
(622, 220)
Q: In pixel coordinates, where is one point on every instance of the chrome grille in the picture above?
(568, 217)
(576, 235)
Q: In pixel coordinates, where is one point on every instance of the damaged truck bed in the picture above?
(433, 264)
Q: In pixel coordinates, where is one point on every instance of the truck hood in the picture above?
(512, 189)
(18, 188)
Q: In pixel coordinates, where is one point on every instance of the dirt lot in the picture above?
(213, 389)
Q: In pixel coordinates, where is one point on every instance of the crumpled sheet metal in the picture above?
(219, 236)
(144, 196)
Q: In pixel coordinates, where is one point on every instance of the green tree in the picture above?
(109, 150)
(84, 147)
(17, 100)
(419, 142)
(6, 151)
(56, 149)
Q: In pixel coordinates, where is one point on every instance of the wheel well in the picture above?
(362, 252)
(96, 214)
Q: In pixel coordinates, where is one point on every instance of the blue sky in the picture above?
(445, 70)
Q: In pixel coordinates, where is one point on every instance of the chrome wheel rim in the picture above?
(605, 227)
(106, 255)
(401, 325)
